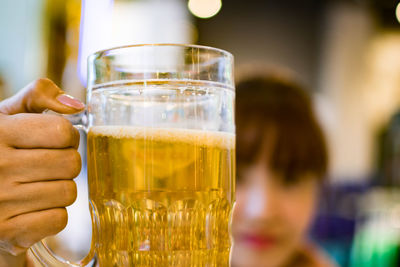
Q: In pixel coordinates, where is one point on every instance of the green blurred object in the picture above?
(377, 239)
(374, 249)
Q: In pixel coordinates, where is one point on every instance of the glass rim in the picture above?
(99, 54)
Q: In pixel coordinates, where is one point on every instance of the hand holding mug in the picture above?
(38, 160)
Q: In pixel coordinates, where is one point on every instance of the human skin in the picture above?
(271, 217)
(38, 161)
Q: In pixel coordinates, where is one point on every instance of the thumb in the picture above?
(40, 95)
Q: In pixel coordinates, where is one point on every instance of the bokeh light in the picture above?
(398, 12)
(204, 8)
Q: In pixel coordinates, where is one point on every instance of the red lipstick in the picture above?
(258, 241)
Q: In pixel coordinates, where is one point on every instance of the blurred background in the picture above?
(347, 52)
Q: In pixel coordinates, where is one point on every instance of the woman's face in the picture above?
(271, 216)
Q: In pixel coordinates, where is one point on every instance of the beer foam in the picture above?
(207, 138)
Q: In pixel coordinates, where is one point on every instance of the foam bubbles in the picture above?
(206, 138)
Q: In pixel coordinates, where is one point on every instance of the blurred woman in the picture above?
(281, 160)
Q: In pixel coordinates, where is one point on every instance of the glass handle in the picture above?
(40, 250)
(79, 120)
(48, 259)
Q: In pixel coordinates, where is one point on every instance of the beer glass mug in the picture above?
(161, 157)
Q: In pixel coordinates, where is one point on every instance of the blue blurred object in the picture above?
(335, 223)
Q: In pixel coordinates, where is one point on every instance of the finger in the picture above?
(33, 165)
(31, 197)
(38, 131)
(40, 95)
(26, 229)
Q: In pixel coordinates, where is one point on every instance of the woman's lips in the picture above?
(257, 241)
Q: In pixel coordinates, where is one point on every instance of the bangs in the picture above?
(297, 147)
(297, 144)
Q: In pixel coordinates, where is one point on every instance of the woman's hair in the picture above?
(279, 105)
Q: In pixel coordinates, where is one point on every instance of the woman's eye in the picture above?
(290, 181)
(240, 176)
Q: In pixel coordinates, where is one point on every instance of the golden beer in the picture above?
(161, 197)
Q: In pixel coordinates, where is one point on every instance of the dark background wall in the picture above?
(284, 32)
(273, 32)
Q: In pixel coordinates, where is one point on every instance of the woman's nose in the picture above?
(260, 202)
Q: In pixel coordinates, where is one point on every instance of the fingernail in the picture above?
(70, 101)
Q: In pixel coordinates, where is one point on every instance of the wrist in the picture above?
(8, 260)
